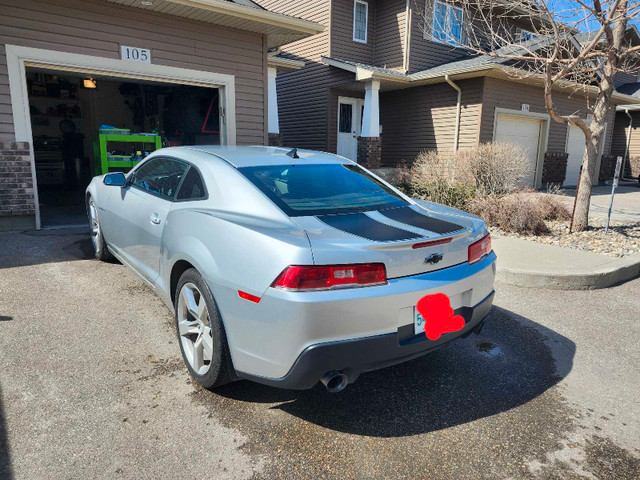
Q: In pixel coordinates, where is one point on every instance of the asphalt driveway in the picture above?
(92, 386)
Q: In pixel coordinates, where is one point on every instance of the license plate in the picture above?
(418, 323)
(418, 320)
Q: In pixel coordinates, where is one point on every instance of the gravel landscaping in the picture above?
(621, 240)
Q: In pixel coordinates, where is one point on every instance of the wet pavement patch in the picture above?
(488, 349)
(450, 414)
(606, 460)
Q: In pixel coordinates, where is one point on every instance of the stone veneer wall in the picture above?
(554, 168)
(632, 167)
(16, 181)
(607, 167)
(370, 151)
(275, 139)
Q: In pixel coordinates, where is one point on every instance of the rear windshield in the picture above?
(321, 189)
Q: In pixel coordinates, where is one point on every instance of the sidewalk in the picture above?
(532, 264)
(626, 203)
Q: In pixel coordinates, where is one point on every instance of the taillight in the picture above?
(480, 248)
(325, 277)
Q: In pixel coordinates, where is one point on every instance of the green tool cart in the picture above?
(108, 161)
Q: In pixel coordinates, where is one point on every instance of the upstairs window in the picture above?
(523, 35)
(447, 23)
(360, 21)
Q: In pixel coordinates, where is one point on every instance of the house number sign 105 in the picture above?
(135, 54)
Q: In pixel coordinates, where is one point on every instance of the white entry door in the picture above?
(575, 149)
(349, 126)
(524, 132)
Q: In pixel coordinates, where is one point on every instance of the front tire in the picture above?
(201, 335)
(100, 248)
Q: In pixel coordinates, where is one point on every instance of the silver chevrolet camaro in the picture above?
(289, 267)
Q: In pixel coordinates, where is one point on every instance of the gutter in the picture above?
(456, 136)
(254, 14)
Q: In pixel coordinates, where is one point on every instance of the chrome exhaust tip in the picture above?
(334, 382)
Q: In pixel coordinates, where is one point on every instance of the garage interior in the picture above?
(71, 111)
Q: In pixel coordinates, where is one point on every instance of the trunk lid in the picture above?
(389, 236)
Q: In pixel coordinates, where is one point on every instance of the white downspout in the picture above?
(626, 151)
(407, 36)
(456, 136)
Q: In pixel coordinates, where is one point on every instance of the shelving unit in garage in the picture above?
(108, 161)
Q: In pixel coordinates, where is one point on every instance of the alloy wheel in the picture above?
(96, 233)
(194, 328)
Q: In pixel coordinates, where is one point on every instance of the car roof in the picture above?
(253, 156)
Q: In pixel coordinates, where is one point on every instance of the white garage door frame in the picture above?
(19, 58)
(542, 142)
(596, 174)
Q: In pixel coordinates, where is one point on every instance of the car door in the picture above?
(139, 212)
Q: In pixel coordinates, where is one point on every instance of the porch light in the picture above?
(89, 83)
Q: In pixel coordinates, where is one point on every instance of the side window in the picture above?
(447, 23)
(160, 177)
(360, 21)
(192, 187)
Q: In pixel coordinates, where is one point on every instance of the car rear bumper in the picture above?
(352, 357)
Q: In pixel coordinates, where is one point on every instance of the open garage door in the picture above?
(524, 132)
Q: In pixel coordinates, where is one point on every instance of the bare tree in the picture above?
(567, 44)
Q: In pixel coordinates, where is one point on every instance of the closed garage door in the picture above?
(575, 149)
(524, 132)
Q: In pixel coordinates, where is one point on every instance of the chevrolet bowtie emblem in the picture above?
(434, 258)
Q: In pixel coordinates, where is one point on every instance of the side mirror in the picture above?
(116, 179)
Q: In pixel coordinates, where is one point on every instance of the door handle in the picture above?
(155, 219)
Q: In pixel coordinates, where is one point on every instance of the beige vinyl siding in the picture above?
(506, 94)
(390, 27)
(619, 142)
(98, 28)
(303, 94)
(342, 44)
(423, 118)
(6, 117)
(310, 48)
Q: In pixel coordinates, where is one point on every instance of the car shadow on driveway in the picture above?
(512, 361)
(5, 460)
(21, 249)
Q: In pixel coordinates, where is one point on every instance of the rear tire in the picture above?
(201, 334)
(100, 248)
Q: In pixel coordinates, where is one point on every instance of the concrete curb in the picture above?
(621, 271)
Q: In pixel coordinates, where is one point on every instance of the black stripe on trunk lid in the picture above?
(366, 227)
(410, 217)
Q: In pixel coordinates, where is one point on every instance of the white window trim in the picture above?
(366, 22)
(19, 58)
(432, 36)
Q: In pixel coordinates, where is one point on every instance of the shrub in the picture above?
(496, 168)
(510, 214)
(493, 168)
(456, 195)
(523, 212)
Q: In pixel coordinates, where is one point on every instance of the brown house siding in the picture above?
(99, 28)
(423, 118)
(303, 94)
(390, 28)
(506, 94)
(342, 44)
